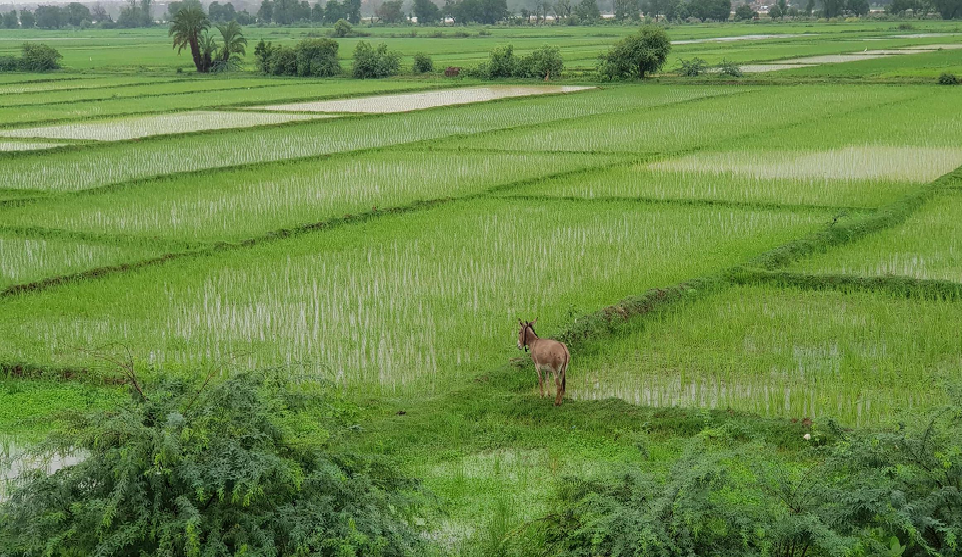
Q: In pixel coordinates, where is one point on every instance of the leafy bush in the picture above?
(423, 63)
(283, 61)
(9, 63)
(745, 12)
(636, 55)
(542, 63)
(948, 79)
(244, 467)
(692, 68)
(342, 29)
(39, 58)
(371, 63)
(893, 493)
(502, 62)
(729, 68)
(317, 58)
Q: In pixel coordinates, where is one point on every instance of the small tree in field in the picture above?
(372, 63)
(188, 27)
(423, 63)
(39, 58)
(543, 63)
(243, 468)
(317, 58)
(635, 56)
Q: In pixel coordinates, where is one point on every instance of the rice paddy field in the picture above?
(761, 251)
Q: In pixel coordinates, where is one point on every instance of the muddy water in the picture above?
(14, 460)
(417, 101)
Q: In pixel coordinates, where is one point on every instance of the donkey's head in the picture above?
(523, 338)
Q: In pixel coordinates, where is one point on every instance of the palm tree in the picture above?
(234, 41)
(208, 46)
(186, 28)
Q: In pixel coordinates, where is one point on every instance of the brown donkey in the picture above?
(547, 353)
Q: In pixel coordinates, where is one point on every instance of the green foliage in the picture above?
(868, 494)
(239, 468)
(374, 63)
(426, 12)
(587, 11)
(342, 29)
(729, 68)
(543, 63)
(692, 68)
(188, 29)
(391, 11)
(317, 58)
(423, 63)
(636, 55)
(948, 79)
(502, 62)
(39, 58)
(745, 13)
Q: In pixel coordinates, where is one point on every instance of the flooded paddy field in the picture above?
(722, 255)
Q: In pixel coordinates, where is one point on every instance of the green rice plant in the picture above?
(96, 166)
(726, 176)
(163, 124)
(6, 146)
(11, 90)
(928, 245)
(24, 260)
(858, 357)
(700, 123)
(246, 203)
(415, 301)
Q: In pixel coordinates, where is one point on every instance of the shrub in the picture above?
(244, 467)
(542, 63)
(283, 61)
(948, 79)
(9, 63)
(317, 58)
(39, 58)
(691, 68)
(371, 63)
(636, 55)
(729, 68)
(423, 63)
(342, 29)
(502, 62)
(745, 13)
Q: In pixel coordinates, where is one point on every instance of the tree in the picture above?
(502, 62)
(626, 10)
(78, 15)
(51, 17)
(744, 13)
(39, 58)
(235, 44)
(636, 55)
(562, 8)
(100, 16)
(266, 12)
(857, 7)
(10, 20)
(423, 63)
(543, 63)
(775, 12)
(246, 467)
(342, 29)
(374, 63)
(353, 8)
(391, 11)
(317, 58)
(832, 8)
(317, 13)
(188, 24)
(27, 19)
(950, 9)
(427, 12)
(334, 12)
(587, 11)
(714, 10)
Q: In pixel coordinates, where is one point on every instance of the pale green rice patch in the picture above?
(26, 146)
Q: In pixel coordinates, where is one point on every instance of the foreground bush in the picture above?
(637, 55)
(948, 79)
(373, 63)
(542, 64)
(240, 469)
(309, 58)
(34, 58)
(895, 493)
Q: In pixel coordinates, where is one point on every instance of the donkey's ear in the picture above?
(535, 321)
(520, 322)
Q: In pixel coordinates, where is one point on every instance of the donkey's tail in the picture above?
(564, 374)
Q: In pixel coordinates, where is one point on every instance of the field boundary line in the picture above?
(909, 287)
(688, 202)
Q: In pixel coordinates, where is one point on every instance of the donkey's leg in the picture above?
(537, 368)
(558, 379)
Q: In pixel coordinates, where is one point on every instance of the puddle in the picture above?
(742, 38)
(833, 58)
(14, 460)
(416, 101)
(909, 164)
(145, 126)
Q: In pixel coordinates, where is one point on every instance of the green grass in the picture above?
(411, 301)
(859, 357)
(238, 204)
(928, 245)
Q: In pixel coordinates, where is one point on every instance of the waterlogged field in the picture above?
(401, 301)
(928, 245)
(858, 357)
(245, 203)
(394, 248)
(146, 126)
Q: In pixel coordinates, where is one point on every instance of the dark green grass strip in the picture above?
(688, 202)
(908, 287)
